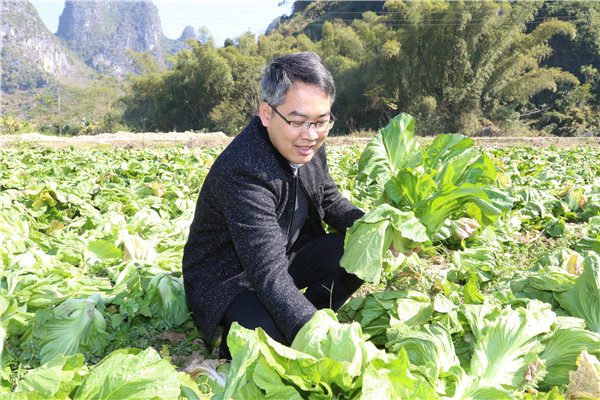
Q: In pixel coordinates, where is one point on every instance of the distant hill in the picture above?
(101, 31)
(92, 37)
(32, 56)
(308, 15)
(39, 68)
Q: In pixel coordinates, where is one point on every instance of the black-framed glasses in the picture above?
(303, 126)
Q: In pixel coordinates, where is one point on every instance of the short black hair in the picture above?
(282, 73)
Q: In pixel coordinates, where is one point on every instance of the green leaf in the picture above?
(326, 360)
(583, 300)
(389, 150)
(369, 238)
(129, 374)
(447, 147)
(375, 311)
(189, 388)
(424, 344)
(475, 388)
(393, 380)
(59, 376)
(364, 246)
(245, 349)
(104, 250)
(323, 336)
(561, 352)
(510, 343)
(74, 326)
(589, 244)
(165, 299)
(471, 292)
(2, 338)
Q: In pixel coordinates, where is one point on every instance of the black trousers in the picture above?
(314, 264)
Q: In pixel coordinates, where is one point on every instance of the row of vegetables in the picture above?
(91, 251)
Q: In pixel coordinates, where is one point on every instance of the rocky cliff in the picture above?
(170, 46)
(31, 54)
(92, 35)
(101, 31)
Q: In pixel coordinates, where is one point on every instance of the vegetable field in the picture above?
(495, 295)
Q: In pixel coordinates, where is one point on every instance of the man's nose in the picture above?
(311, 133)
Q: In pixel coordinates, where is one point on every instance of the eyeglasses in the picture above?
(303, 126)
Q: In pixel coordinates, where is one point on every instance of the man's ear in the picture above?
(265, 113)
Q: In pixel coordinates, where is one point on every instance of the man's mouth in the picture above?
(305, 150)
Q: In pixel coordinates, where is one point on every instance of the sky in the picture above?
(223, 18)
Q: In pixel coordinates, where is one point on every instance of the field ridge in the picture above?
(213, 139)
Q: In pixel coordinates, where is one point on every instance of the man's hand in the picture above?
(393, 250)
(410, 252)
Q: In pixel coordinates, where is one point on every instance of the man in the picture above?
(257, 237)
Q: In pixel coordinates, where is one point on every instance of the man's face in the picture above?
(304, 102)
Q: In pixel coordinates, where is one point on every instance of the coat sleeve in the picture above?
(249, 206)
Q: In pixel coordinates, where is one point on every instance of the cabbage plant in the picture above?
(419, 190)
(74, 326)
(165, 300)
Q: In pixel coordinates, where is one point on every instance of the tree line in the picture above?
(504, 66)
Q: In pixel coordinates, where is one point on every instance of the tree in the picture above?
(202, 78)
(147, 102)
(143, 62)
(463, 61)
(246, 44)
(234, 111)
(571, 110)
(183, 98)
(327, 44)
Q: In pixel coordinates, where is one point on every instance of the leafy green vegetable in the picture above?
(165, 299)
(561, 352)
(71, 244)
(388, 152)
(463, 228)
(376, 311)
(138, 249)
(55, 379)
(583, 300)
(326, 360)
(2, 338)
(74, 326)
(482, 261)
(589, 244)
(426, 187)
(370, 237)
(429, 347)
(506, 346)
(130, 374)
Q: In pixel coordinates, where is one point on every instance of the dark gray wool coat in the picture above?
(237, 239)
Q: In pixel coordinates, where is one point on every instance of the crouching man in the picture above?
(257, 236)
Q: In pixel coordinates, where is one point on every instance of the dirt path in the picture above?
(191, 139)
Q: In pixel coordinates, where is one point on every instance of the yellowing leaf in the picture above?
(43, 199)
(159, 189)
(108, 175)
(584, 383)
(137, 248)
(574, 264)
(55, 226)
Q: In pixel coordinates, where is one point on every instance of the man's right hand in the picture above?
(395, 253)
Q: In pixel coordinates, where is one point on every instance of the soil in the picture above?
(128, 140)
